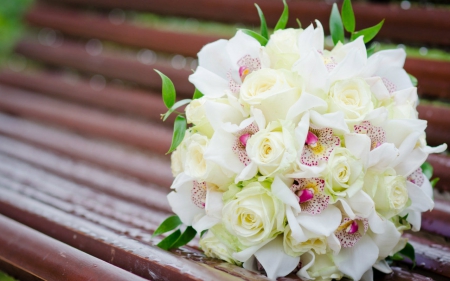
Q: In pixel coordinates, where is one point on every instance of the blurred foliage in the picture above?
(11, 25)
(4, 277)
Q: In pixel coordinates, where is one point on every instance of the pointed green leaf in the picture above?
(203, 233)
(261, 40)
(434, 182)
(348, 17)
(397, 257)
(413, 80)
(264, 32)
(179, 129)
(197, 94)
(185, 238)
(167, 225)
(299, 23)
(427, 169)
(368, 33)
(371, 50)
(175, 106)
(167, 242)
(282, 22)
(336, 27)
(168, 90)
(409, 252)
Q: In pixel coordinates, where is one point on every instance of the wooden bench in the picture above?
(83, 175)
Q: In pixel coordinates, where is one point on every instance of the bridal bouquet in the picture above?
(298, 159)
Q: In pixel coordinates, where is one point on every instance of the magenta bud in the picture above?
(353, 227)
(305, 195)
(311, 139)
(244, 138)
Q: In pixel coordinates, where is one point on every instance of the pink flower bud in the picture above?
(353, 228)
(305, 195)
(311, 139)
(244, 138)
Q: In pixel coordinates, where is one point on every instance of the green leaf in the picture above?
(348, 17)
(167, 242)
(179, 129)
(434, 182)
(168, 90)
(175, 106)
(368, 33)
(413, 80)
(397, 257)
(185, 238)
(336, 27)
(264, 32)
(261, 40)
(197, 94)
(299, 23)
(427, 169)
(409, 252)
(203, 233)
(371, 50)
(282, 22)
(167, 225)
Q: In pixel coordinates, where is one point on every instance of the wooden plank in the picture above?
(429, 25)
(109, 64)
(85, 120)
(147, 104)
(37, 253)
(141, 165)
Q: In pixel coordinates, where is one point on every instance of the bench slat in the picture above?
(34, 252)
(398, 22)
(144, 166)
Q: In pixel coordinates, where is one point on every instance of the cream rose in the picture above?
(322, 269)
(255, 215)
(195, 114)
(293, 248)
(273, 149)
(352, 97)
(344, 173)
(214, 248)
(272, 91)
(388, 191)
(282, 48)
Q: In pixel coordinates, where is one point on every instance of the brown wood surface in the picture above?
(429, 25)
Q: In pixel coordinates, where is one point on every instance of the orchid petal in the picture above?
(313, 71)
(275, 261)
(284, 193)
(304, 103)
(307, 260)
(382, 266)
(214, 58)
(334, 243)
(209, 83)
(246, 254)
(420, 200)
(296, 231)
(387, 240)
(368, 275)
(324, 223)
(355, 261)
(359, 146)
(382, 156)
(333, 120)
(220, 151)
(247, 173)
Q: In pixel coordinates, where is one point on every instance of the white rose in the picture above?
(322, 269)
(282, 48)
(351, 97)
(295, 249)
(344, 173)
(178, 157)
(273, 149)
(195, 114)
(196, 166)
(255, 215)
(214, 248)
(272, 91)
(388, 191)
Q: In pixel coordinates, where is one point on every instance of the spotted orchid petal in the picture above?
(310, 195)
